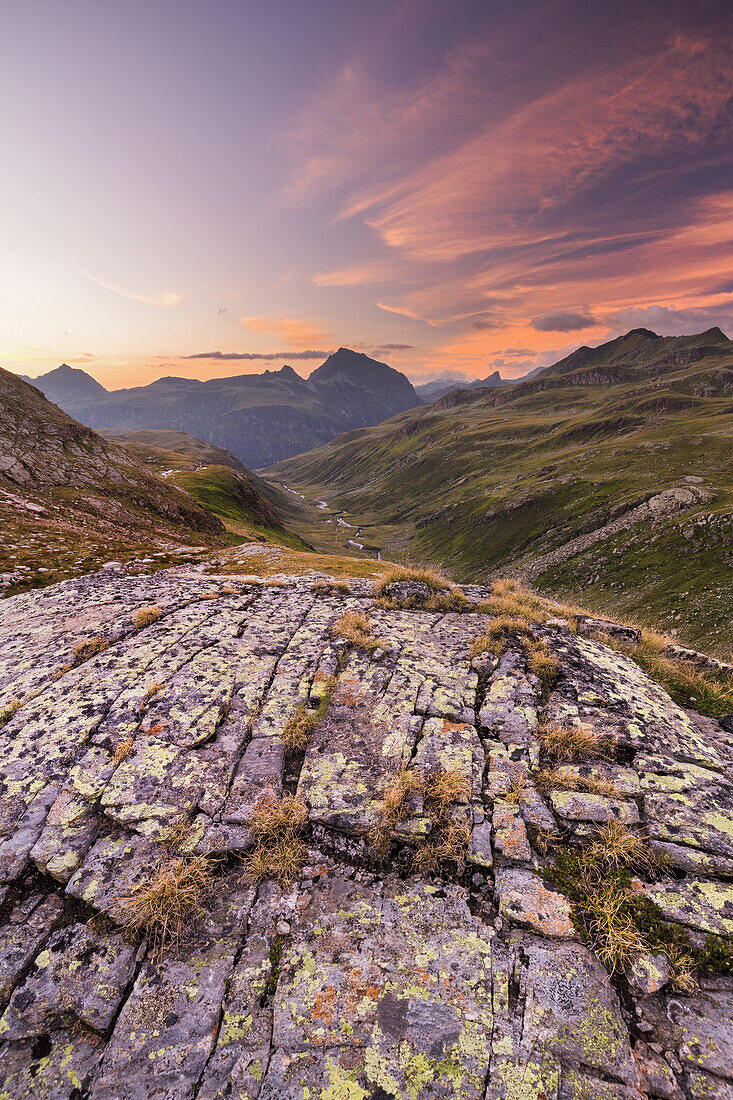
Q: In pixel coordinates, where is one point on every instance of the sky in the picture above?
(217, 187)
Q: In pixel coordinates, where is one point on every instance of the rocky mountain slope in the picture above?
(70, 500)
(407, 902)
(260, 418)
(607, 475)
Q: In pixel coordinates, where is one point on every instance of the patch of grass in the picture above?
(300, 726)
(419, 573)
(447, 846)
(264, 561)
(564, 744)
(709, 693)
(8, 712)
(356, 629)
(279, 852)
(617, 919)
(395, 800)
(543, 663)
(448, 839)
(160, 907)
(555, 779)
(511, 599)
(515, 795)
(84, 651)
(123, 750)
(147, 615)
(328, 588)
(615, 846)
(274, 956)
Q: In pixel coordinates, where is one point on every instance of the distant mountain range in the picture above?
(606, 478)
(260, 418)
(430, 391)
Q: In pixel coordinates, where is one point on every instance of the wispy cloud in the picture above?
(285, 355)
(165, 300)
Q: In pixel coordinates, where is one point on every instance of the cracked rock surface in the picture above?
(361, 979)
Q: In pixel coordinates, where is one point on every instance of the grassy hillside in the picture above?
(555, 482)
(250, 509)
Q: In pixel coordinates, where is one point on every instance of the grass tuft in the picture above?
(554, 779)
(279, 852)
(84, 651)
(147, 615)
(305, 720)
(161, 906)
(448, 839)
(564, 744)
(8, 712)
(355, 628)
(123, 750)
(421, 573)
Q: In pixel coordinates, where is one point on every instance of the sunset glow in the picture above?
(448, 187)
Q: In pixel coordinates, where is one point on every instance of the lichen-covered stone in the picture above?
(524, 899)
(359, 979)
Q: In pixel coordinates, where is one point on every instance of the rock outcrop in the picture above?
(130, 739)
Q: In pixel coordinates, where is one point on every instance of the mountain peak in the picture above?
(65, 383)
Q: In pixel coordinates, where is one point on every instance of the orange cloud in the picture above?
(289, 330)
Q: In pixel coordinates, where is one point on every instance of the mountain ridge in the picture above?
(260, 418)
(490, 481)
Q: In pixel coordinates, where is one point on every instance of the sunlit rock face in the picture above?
(126, 746)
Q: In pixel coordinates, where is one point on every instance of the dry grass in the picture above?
(276, 817)
(161, 906)
(147, 615)
(301, 725)
(442, 788)
(511, 599)
(616, 846)
(682, 970)
(421, 573)
(567, 743)
(449, 846)
(355, 628)
(328, 588)
(8, 712)
(553, 779)
(439, 790)
(123, 750)
(542, 663)
(394, 806)
(84, 651)
(516, 793)
(614, 933)
(279, 853)
(150, 692)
